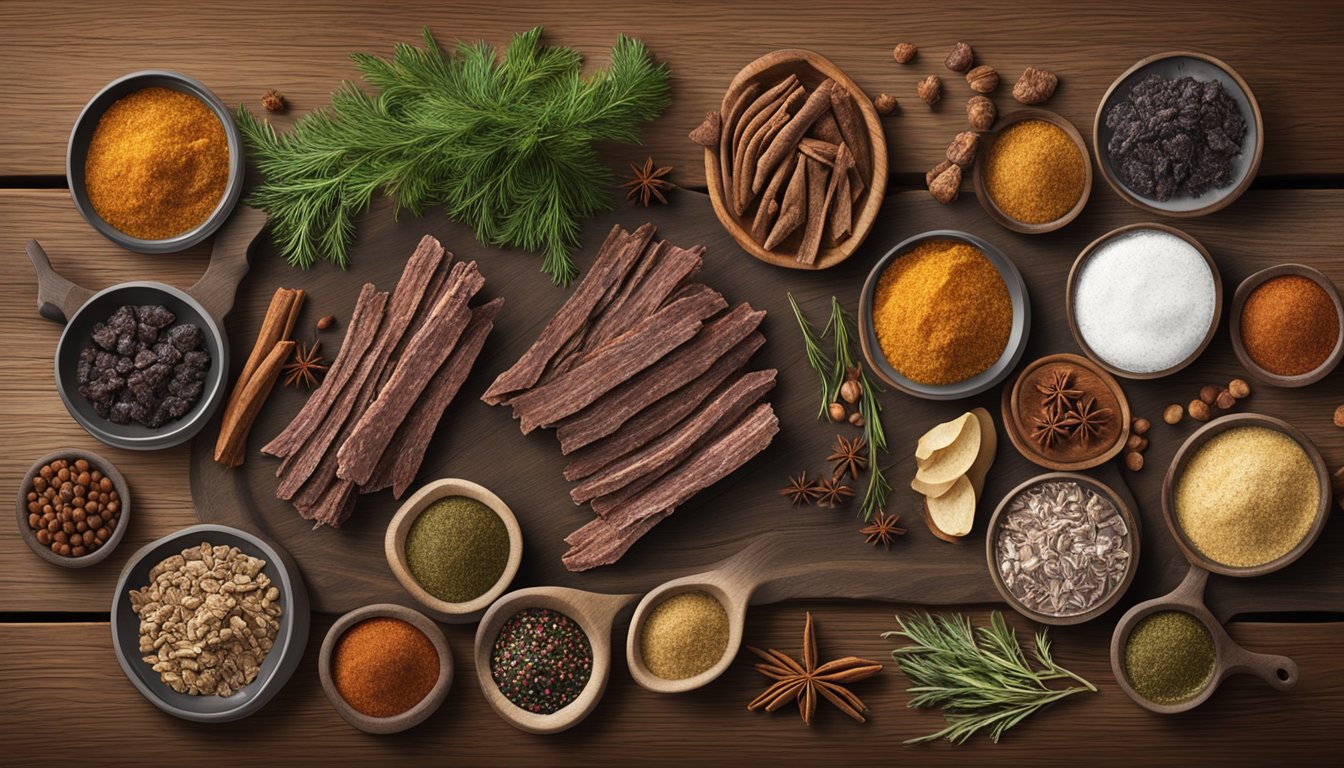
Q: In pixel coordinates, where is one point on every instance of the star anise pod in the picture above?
(1087, 420)
(806, 681)
(801, 489)
(1056, 395)
(848, 456)
(306, 367)
(883, 529)
(1049, 428)
(832, 493)
(648, 183)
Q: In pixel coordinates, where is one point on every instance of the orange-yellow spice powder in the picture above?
(383, 666)
(1034, 172)
(942, 313)
(158, 163)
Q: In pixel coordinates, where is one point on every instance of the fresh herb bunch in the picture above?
(980, 676)
(505, 144)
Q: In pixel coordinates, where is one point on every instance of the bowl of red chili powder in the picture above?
(1286, 325)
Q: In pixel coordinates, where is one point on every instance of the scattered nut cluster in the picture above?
(1210, 397)
(885, 103)
(207, 619)
(73, 508)
(1137, 443)
(273, 101)
(850, 393)
(1339, 417)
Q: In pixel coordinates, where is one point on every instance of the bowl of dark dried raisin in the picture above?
(1179, 134)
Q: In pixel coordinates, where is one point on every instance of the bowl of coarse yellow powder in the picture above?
(155, 162)
(1033, 173)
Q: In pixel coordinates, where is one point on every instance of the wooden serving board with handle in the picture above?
(821, 554)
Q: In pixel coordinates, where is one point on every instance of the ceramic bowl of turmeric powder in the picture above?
(1033, 174)
(155, 162)
(944, 315)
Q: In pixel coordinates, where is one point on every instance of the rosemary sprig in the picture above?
(815, 357)
(979, 676)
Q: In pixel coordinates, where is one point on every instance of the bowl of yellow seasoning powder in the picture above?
(455, 547)
(155, 162)
(1033, 173)
(944, 315)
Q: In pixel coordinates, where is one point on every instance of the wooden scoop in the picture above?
(1280, 672)
(595, 614)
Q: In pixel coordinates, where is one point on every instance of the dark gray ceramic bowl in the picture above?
(276, 669)
(78, 334)
(119, 533)
(996, 373)
(78, 149)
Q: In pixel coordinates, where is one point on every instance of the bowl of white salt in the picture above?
(1144, 300)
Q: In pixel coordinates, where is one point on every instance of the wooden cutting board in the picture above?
(346, 568)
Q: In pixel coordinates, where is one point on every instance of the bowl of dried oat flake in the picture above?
(210, 622)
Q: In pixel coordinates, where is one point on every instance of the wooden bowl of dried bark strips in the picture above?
(789, 120)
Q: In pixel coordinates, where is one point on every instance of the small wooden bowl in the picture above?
(811, 68)
(1244, 292)
(416, 714)
(394, 546)
(1012, 351)
(1201, 66)
(1013, 422)
(1230, 659)
(1106, 492)
(1188, 450)
(732, 592)
(123, 493)
(982, 191)
(1076, 271)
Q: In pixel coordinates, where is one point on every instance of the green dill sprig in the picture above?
(979, 676)
(503, 143)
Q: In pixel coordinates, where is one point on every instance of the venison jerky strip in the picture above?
(850, 120)
(765, 212)
(793, 210)
(672, 266)
(600, 543)
(714, 341)
(428, 349)
(742, 192)
(698, 291)
(655, 420)
(730, 405)
(826, 128)
(616, 361)
(731, 115)
(818, 200)
(786, 141)
(609, 267)
(841, 212)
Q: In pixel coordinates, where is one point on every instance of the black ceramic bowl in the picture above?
(78, 149)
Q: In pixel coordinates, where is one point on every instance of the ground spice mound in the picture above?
(942, 313)
(1169, 657)
(1034, 172)
(383, 667)
(158, 163)
(1289, 325)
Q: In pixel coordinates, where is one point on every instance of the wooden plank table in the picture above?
(55, 653)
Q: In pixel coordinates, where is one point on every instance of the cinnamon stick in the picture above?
(818, 200)
(239, 418)
(787, 140)
(793, 209)
(765, 105)
(852, 129)
(841, 213)
(742, 192)
(726, 147)
(765, 212)
(819, 150)
(826, 128)
(275, 327)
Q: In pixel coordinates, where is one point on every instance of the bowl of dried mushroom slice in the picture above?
(788, 121)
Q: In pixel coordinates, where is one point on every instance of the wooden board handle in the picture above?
(228, 261)
(57, 298)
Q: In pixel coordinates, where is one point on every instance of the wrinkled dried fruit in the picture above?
(930, 90)
(960, 59)
(983, 79)
(981, 113)
(934, 172)
(1035, 86)
(1173, 414)
(904, 53)
(884, 103)
(946, 185)
(962, 149)
(851, 391)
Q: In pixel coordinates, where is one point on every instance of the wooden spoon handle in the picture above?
(57, 298)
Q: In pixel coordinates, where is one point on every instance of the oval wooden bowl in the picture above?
(733, 590)
(29, 536)
(394, 546)
(982, 191)
(1027, 447)
(1192, 445)
(811, 68)
(416, 714)
(1230, 659)
(1244, 292)
(1135, 537)
(1204, 67)
(1077, 270)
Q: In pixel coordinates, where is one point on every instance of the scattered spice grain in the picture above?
(1034, 172)
(541, 661)
(1289, 325)
(383, 667)
(457, 549)
(1169, 657)
(684, 635)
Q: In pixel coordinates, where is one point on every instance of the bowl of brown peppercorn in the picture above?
(72, 508)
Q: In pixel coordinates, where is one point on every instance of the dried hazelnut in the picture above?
(983, 79)
(1225, 401)
(325, 322)
(836, 411)
(960, 59)
(1239, 388)
(962, 149)
(1035, 86)
(934, 172)
(981, 113)
(856, 419)
(273, 101)
(947, 184)
(851, 391)
(930, 89)
(1173, 414)
(1339, 417)
(1139, 425)
(904, 53)
(1199, 410)
(1208, 393)
(1137, 443)
(1134, 461)
(884, 103)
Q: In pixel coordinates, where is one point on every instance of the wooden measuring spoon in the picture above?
(594, 613)
(1280, 672)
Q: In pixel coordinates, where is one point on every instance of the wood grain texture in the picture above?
(1285, 50)
(630, 724)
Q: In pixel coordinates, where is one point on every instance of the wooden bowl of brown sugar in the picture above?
(1023, 175)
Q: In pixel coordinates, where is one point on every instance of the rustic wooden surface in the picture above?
(59, 55)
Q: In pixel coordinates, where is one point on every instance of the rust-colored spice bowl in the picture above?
(1248, 287)
(1020, 400)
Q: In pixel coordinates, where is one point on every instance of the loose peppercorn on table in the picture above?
(57, 663)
